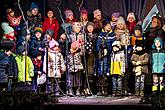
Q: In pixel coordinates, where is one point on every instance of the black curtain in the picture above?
(139, 7)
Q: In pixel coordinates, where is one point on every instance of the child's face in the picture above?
(34, 11)
(120, 26)
(84, 17)
(39, 58)
(90, 28)
(137, 33)
(38, 35)
(130, 19)
(157, 43)
(98, 17)
(50, 14)
(70, 17)
(11, 34)
(107, 27)
(114, 19)
(76, 29)
(49, 38)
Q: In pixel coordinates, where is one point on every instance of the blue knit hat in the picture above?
(33, 5)
(161, 42)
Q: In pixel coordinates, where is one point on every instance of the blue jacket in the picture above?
(105, 40)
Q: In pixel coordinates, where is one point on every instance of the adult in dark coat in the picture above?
(154, 31)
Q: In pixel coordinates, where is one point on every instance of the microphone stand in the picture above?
(46, 44)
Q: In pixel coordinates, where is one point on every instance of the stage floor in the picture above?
(99, 103)
(100, 100)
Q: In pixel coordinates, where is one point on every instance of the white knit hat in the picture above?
(96, 13)
(120, 20)
(131, 14)
(68, 13)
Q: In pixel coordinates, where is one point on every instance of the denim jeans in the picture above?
(116, 83)
(139, 82)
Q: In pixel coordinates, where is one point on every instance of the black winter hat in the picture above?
(50, 32)
(105, 22)
(21, 49)
(138, 27)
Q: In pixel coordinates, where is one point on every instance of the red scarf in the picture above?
(10, 37)
(37, 63)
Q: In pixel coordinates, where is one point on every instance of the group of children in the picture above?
(99, 57)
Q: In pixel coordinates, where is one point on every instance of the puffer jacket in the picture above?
(21, 68)
(4, 64)
(157, 57)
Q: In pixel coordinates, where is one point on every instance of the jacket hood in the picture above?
(161, 43)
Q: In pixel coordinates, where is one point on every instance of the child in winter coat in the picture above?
(51, 23)
(8, 32)
(29, 67)
(117, 67)
(77, 35)
(103, 50)
(8, 69)
(34, 18)
(13, 20)
(138, 35)
(36, 43)
(56, 67)
(98, 19)
(38, 71)
(114, 19)
(140, 60)
(131, 22)
(75, 67)
(157, 64)
(90, 49)
(66, 27)
(83, 17)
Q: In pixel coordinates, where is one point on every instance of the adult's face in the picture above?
(154, 22)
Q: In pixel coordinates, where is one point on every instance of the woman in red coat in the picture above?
(51, 23)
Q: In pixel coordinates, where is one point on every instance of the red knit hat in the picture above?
(84, 11)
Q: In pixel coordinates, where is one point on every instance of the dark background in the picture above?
(139, 7)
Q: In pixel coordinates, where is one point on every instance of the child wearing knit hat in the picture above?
(97, 14)
(56, 66)
(8, 32)
(131, 22)
(117, 68)
(97, 21)
(122, 33)
(76, 68)
(84, 16)
(34, 18)
(36, 42)
(68, 14)
(114, 18)
(138, 35)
